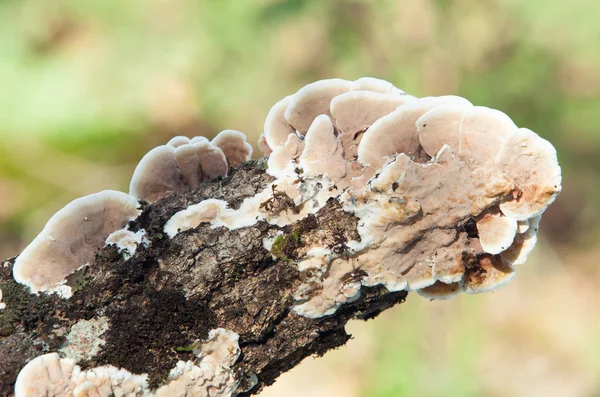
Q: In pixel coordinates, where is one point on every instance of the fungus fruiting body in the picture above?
(71, 238)
(208, 375)
(183, 163)
(438, 196)
(414, 172)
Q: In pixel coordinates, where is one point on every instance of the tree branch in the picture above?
(169, 295)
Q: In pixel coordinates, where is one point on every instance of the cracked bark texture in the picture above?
(169, 295)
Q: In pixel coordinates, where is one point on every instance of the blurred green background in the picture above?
(88, 86)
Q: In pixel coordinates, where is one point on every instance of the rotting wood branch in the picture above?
(220, 285)
(167, 296)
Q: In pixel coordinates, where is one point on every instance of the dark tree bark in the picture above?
(174, 292)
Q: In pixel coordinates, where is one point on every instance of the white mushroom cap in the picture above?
(323, 153)
(263, 145)
(2, 304)
(475, 134)
(277, 128)
(167, 170)
(212, 161)
(532, 164)
(440, 291)
(177, 141)
(188, 165)
(156, 175)
(50, 375)
(199, 139)
(355, 111)
(233, 144)
(281, 161)
(496, 232)
(523, 244)
(397, 132)
(495, 273)
(71, 238)
(46, 375)
(312, 101)
(375, 85)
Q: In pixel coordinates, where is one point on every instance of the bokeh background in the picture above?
(87, 87)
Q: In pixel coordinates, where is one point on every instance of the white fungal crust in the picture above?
(71, 238)
(414, 171)
(183, 163)
(208, 375)
(206, 211)
(127, 241)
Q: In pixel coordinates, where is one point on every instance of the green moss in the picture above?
(278, 247)
(284, 246)
(187, 349)
(16, 296)
(78, 280)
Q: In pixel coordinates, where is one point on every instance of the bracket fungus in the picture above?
(183, 163)
(208, 375)
(366, 186)
(415, 172)
(71, 238)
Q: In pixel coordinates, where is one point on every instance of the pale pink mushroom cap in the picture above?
(476, 134)
(177, 141)
(397, 132)
(156, 175)
(72, 237)
(356, 111)
(168, 170)
(234, 146)
(323, 153)
(375, 85)
(532, 164)
(523, 244)
(277, 127)
(312, 101)
(264, 146)
(188, 163)
(496, 232)
(496, 272)
(212, 160)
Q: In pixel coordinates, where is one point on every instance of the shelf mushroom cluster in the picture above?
(209, 374)
(448, 195)
(416, 172)
(74, 234)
